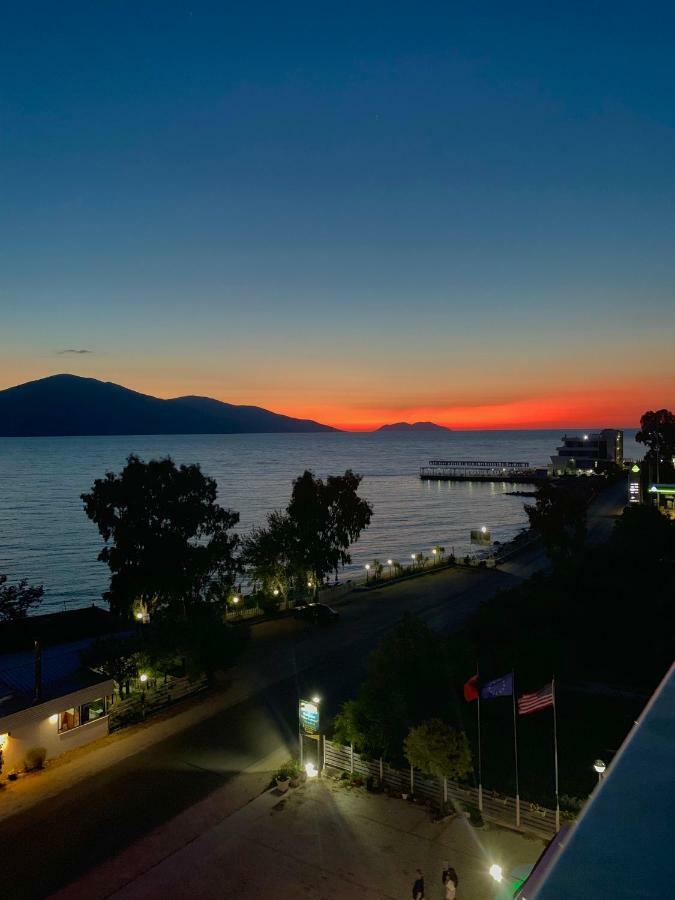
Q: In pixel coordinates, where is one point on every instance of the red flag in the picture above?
(529, 703)
(471, 691)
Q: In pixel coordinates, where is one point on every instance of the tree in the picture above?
(327, 518)
(270, 557)
(115, 657)
(408, 677)
(437, 749)
(167, 540)
(17, 599)
(347, 727)
(657, 431)
(559, 516)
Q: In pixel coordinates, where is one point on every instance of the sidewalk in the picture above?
(322, 841)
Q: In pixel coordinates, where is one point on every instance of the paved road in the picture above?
(52, 843)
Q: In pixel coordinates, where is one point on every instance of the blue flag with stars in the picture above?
(500, 687)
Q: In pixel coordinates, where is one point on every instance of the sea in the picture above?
(46, 537)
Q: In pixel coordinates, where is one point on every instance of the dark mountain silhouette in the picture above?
(415, 426)
(70, 405)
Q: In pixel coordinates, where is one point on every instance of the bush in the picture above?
(35, 759)
(290, 769)
(437, 749)
(475, 816)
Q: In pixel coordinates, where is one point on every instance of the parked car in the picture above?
(318, 613)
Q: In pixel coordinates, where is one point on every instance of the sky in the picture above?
(354, 212)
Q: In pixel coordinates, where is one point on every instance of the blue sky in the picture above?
(344, 210)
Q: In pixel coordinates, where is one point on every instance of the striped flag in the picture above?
(529, 703)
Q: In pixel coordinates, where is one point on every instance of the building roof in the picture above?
(622, 844)
(59, 628)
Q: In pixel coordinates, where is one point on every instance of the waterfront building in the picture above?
(48, 699)
(585, 454)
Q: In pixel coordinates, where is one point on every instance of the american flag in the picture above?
(529, 703)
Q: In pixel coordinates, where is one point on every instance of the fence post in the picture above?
(381, 771)
(445, 789)
(323, 764)
(412, 780)
(351, 758)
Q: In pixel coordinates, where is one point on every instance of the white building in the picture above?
(584, 454)
(48, 699)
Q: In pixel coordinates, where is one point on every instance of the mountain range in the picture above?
(63, 405)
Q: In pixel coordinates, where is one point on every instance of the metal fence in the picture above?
(138, 707)
(495, 807)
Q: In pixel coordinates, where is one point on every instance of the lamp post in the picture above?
(599, 766)
(434, 553)
(367, 571)
(413, 556)
(390, 563)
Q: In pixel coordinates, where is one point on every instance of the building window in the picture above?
(80, 715)
(69, 719)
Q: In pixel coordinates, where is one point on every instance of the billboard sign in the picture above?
(309, 717)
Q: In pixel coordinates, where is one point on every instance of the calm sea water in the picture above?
(46, 537)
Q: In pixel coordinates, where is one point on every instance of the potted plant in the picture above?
(283, 779)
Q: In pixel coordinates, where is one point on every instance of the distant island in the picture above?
(65, 405)
(414, 426)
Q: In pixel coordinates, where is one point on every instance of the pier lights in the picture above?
(495, 871)
(599, 767)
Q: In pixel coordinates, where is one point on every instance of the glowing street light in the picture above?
(316, 699)
(235, 600)
(495, 872)
(139, 616)
(599, 767)
(483, 529)
(390, 563)
(367, 567)
(143, 677)
(276, 592)
(434, 551)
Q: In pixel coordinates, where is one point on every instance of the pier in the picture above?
(481, 470)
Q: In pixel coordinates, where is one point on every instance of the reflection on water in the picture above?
(46, 537)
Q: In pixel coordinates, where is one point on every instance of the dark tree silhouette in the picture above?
(559, 516)
(327, 517)
(167, 540)
(657, 431)
(17, 599)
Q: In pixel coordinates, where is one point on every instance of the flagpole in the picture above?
(480, 763)
(515, 745)
(555, 755)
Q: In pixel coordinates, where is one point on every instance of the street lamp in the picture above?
(483, 529)
(495, 872)
(139, 616)
(390, 563)
(235, 600)
(599, 767)
(413, 557)
(143, 677)
(276, 592)
(316, 699)
(367, 571)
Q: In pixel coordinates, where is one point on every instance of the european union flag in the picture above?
(500, 687)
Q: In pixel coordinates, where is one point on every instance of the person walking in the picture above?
(450, 882)
(418, 886)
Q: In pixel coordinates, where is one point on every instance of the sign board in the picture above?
(634, 491)
(309, 717)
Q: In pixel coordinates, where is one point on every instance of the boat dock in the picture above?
(481, 470)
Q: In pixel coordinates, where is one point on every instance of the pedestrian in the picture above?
(418, 886)
(450, 882)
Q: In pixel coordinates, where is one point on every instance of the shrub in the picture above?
(475, 816)
(437, 749)
(35, 759)
(290, 769)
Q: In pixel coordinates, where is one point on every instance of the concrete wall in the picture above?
(33, 727)
(44, 733)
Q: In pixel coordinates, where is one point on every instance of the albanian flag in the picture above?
(471, 689)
